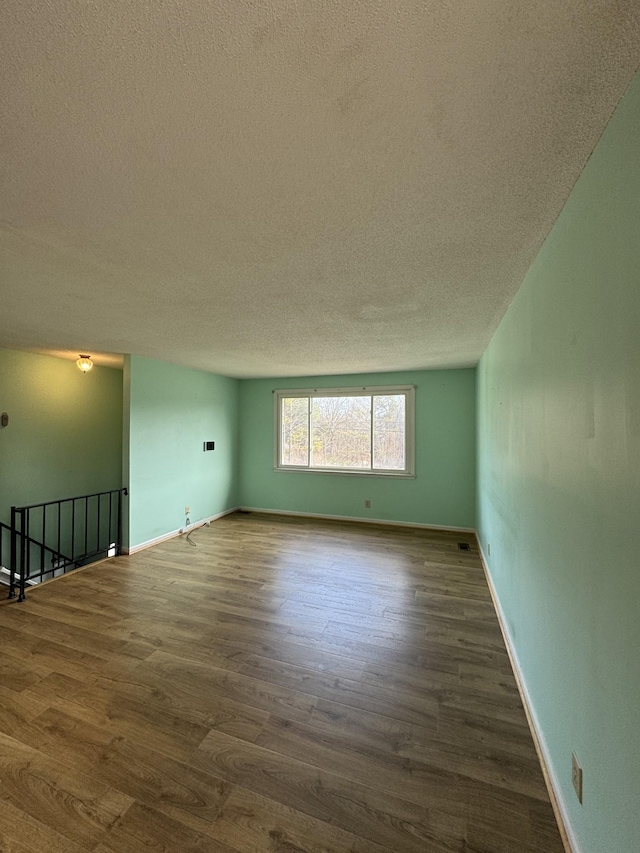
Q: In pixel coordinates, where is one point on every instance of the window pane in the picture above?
(388, 432)
(295, 431)
(341, 436)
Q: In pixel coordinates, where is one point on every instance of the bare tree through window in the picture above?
(365, 431)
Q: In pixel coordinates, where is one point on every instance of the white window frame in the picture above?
(409, 437)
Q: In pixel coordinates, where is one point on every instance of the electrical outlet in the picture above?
(187, 510)
(367, 504)
(576, 776)
(488, 549)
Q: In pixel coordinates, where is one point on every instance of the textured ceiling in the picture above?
(289, 187)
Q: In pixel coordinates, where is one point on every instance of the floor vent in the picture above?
(464, 546)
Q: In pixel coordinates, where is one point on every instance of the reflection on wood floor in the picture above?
(287, 685)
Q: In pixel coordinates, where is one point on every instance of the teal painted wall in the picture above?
(64, 436)
(443, 492)
(559, 485)
(126, 445)
(172, 411)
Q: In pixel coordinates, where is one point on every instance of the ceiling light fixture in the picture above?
(84, 363)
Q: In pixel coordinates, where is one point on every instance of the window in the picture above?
(346, 430)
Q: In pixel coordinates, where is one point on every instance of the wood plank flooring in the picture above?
(287, 685)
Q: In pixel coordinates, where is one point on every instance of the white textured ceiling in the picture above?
(290, 187)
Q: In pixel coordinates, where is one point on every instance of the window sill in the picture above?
(402, 475)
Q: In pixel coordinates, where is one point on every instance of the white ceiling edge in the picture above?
(102, 359)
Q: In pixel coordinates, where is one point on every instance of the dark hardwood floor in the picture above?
(287, 685)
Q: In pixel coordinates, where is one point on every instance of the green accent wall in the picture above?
(443, 491)
(64, 436)
(171, 411)
(559, 486)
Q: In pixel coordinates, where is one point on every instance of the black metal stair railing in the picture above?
(51, 538)
(5, 553)
(10, 553)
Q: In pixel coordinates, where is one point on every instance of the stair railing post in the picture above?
(24, 553)
(14, 554)
(121, 493)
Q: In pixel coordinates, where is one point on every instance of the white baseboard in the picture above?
(355, 518)
(560, 810)
(178, 532)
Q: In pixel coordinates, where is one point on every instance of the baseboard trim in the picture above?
(36, 586)
(560, 811)
(178, 532)
(355, 518)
